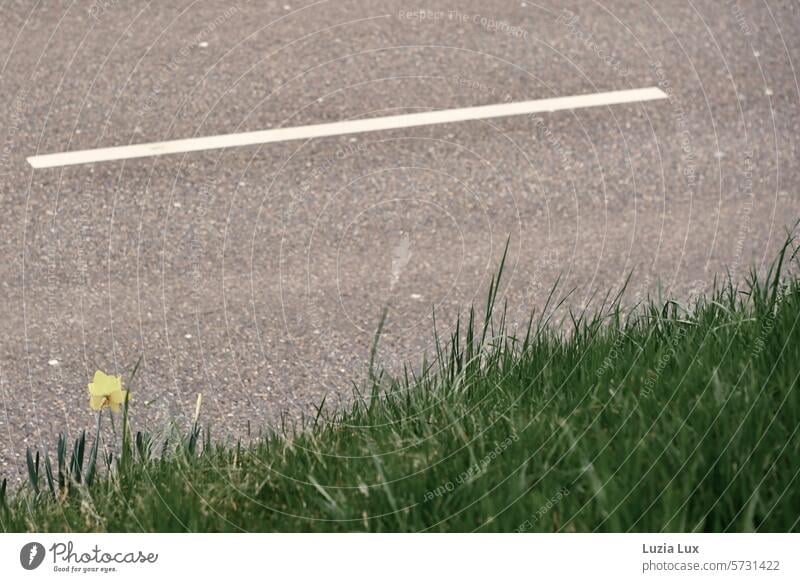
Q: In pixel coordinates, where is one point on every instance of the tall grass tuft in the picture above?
(663, 416)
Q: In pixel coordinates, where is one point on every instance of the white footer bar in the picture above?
(402, 557)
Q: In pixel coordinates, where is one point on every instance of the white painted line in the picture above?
(344, 127)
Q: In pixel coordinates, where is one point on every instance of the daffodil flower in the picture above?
(106, 391)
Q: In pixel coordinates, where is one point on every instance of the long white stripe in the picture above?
(343, 127)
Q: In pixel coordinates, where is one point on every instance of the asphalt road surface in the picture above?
(257, 275)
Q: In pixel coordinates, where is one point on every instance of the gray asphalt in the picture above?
(257, 275)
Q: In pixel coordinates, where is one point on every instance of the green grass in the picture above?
(660, 417)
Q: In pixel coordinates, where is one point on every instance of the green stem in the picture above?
(90, 470)
(125, 430)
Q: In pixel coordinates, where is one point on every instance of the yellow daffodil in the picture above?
(105, 391)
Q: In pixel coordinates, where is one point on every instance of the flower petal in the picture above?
(118, 397)
(96, 402)
(96, 388)
(103, 384)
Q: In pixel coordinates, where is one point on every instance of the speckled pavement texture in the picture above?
(257, 275)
